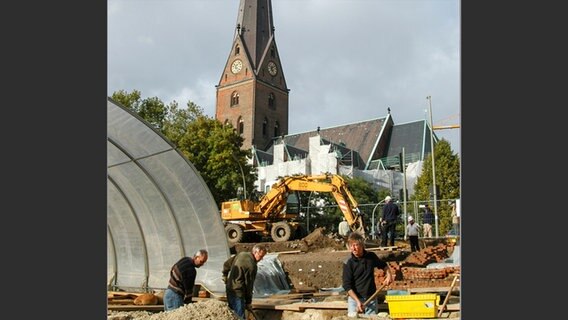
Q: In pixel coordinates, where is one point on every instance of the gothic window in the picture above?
(271, 100)
(234, 99)
(241, 125)
(227, 122)
(276, 129)
(264, 127)
(237, 50)
(272, 52)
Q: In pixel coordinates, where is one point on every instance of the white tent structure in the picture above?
(159, 209)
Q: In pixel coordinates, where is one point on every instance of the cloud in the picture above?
(344, 61)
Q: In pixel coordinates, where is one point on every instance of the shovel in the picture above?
(371, 298)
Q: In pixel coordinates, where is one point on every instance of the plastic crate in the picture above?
(413, 305)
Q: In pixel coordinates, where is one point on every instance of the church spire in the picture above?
(252, 94)
(255, 27)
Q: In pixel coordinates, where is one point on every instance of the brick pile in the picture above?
(426, 256)
(412, 271)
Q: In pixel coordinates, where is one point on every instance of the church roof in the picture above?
(361, 144)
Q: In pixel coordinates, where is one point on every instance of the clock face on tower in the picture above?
(236, 66)
(272, 68)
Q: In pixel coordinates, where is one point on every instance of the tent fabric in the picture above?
(159, 209)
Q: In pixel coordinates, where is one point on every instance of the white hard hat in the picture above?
(410, 218)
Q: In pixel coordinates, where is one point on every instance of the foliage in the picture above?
(213, 149)
(447, 182)
(152, 109)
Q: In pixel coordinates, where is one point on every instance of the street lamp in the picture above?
(373, 218)
(243, 175)
(429, 98)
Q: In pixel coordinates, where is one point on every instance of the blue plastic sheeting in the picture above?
(270, 278)
(159, 209)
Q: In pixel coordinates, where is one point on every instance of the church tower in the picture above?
(252, 94)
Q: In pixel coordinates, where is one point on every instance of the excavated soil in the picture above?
(315, 263)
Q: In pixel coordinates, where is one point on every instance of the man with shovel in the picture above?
(359, 277)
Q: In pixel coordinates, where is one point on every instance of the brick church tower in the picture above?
(252, 94)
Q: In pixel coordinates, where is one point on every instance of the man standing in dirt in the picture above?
(182, 280)
(390, 216)
(412, 231)
(240, 274)
(359, 276)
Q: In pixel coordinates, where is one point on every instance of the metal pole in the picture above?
(308, 212)
(433, 167)
(242, 173)
(402, 161)
(373, 219)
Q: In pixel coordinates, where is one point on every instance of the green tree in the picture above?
(213, 149)
(130, 100)
(152, 109)
(447, 182)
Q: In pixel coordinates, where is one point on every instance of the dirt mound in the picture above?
(211, 309)
(316, 241)
(319, 241)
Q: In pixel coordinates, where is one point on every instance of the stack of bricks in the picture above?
(409, 273)
(420, 283)
(426, 256)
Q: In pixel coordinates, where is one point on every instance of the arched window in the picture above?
(276, 129)
(234, 99)
(241, 125)
(237, 50)
(264, 126)
(227, 122)
(272, 52)
(271, 100)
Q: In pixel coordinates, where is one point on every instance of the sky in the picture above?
(344, 61)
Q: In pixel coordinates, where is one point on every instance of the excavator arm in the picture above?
(273, 203)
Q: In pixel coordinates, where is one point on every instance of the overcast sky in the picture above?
(344, 61)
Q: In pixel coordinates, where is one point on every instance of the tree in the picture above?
(152, 109)
(447, 181)
(213, 149)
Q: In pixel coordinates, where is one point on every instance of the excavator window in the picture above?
(293, 203)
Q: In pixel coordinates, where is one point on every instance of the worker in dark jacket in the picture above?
(427, 221)
(359, 276)
(182, 280)
(390, 216)
(240, 275)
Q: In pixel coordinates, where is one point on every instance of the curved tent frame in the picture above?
(159, 209)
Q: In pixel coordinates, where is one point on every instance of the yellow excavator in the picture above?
(269, 215)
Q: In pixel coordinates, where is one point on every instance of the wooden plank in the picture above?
(288, 307)
(292, 296)
(122, 295)
(432, 289)
(120, 301)
(133, 307)
(322, 305)
(291, 251)
(453, 307)
(391, 248)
